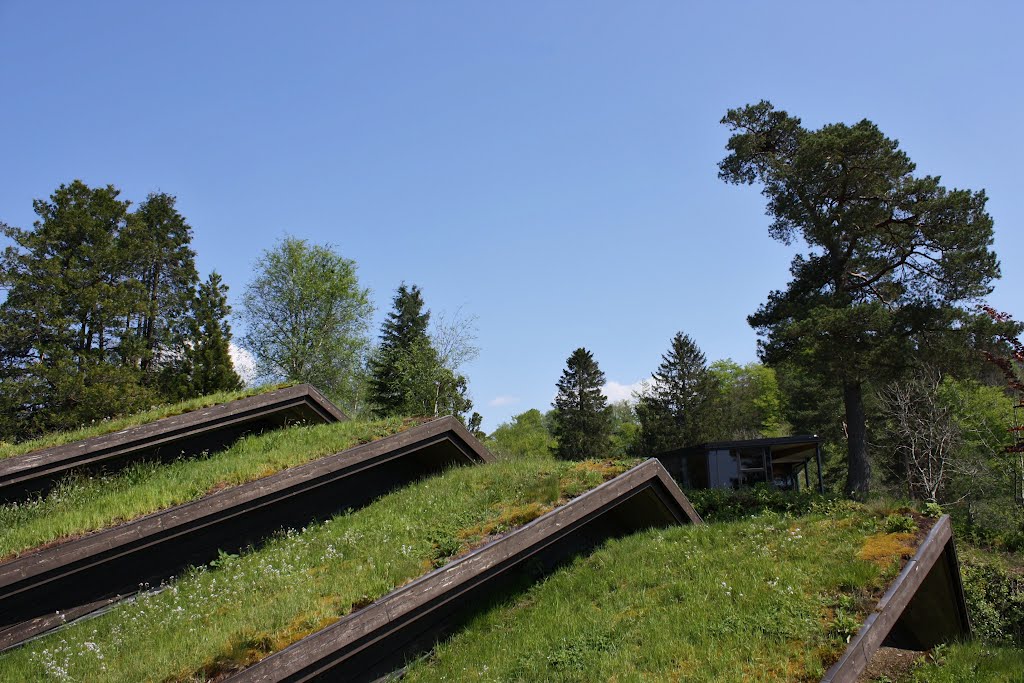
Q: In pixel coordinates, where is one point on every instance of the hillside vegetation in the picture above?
(750, 600)
(101, 427)
(242, 608)
(83, 504)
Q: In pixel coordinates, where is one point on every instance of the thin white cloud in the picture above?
(245, 364)
(616, 391)
(499, 401)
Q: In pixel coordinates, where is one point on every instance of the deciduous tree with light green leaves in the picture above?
(748, 402)
(307, 319)
(525, 435)
(892, 259)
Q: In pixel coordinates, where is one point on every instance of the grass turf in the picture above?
(976, 662)
(233, 613)
(770, 598)
(101, 427)
(80, 505)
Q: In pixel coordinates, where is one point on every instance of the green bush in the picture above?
(722, 505)
(900, 524)
(1014, 541)
(995, 600)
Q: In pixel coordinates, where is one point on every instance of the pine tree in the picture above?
(893, 261)
(403, 353)
(209, 357)
(65, 339)
(676, 410)
(583, 420)
(162, 262)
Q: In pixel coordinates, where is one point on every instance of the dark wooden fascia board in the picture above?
(189, 433)
(115, 561)
(376, 639)
(922, 607)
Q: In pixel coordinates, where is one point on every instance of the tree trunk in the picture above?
(858, 468)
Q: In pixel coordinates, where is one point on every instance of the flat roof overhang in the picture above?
(190, 433)
(807, 440)
(42, 589)
(374, 641)
(784, 450)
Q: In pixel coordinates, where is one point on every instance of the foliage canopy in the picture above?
(890, 260)
(100, 311)
(410, 372)
(582, 421)
(307, 318)
(677, 408)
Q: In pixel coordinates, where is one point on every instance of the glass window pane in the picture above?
(724, 470)
(751, 458)
(751, 477)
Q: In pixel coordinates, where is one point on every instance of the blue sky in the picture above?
(548, 167)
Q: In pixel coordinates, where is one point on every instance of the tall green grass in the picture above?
(80, 505)
(975, 662)
(118, 423)
(218, 618)
(773, 598)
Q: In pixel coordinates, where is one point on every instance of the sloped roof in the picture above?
(80, 576)
(189, 433)
(377, 639)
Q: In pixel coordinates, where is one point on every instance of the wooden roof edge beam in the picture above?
(191, 433)
(378, 639)
(108, 564)
(923, 607)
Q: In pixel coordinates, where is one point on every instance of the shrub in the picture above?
(896, 524)
(995, 600)
(721, 505)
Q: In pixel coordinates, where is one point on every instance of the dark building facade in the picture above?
(779, 462)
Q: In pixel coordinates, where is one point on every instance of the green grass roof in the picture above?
(84, 504)
(244, 607)
(116, 424)
(768, 598)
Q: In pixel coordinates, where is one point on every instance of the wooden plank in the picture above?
(114, 562)
(923, 606)
(378, 639)
(190, 433)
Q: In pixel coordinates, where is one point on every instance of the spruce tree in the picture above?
(65, 334)
(209, 356)
(404, 349)
(676, 410)
(162, 265)
(407, 374)
(582, 420)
